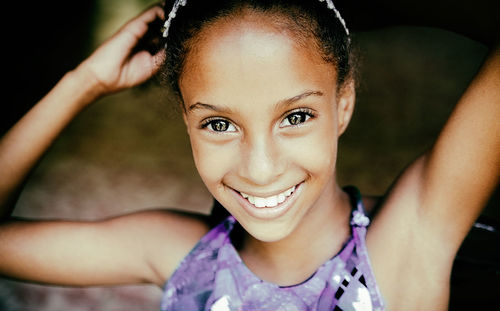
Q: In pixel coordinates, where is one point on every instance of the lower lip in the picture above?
(268, 213)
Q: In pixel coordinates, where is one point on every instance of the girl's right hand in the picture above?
(117, 64)
(135, 248)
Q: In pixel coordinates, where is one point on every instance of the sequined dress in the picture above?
(213, 277)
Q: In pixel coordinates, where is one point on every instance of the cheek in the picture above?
(213, 161)
(316, 153)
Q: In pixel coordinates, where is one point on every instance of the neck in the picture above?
(319, 236)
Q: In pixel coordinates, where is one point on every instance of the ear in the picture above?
(345, 106)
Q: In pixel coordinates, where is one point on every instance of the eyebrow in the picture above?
(284, 102)
(209, 107)
(291, 100)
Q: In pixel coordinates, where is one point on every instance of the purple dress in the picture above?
(213, 277)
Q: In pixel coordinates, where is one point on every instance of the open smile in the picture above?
(270, 201)
(268, 207)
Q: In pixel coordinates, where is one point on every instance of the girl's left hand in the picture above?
(116, 64)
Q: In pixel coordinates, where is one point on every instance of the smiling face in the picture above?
(263, 118)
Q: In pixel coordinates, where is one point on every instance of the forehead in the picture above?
(252, 57)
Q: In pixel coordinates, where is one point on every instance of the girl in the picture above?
(266, 89)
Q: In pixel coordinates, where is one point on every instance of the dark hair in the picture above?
(306, 19)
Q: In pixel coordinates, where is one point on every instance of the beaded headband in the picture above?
(178, 3)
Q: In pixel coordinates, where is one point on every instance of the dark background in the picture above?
(129, 151)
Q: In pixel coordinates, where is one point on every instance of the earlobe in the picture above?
(345, 106)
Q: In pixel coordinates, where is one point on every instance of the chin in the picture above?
(268, 231)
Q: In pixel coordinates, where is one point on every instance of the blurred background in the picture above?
(129, 151)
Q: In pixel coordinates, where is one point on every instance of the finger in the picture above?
(141, 67)
(131, 33)
(138, 25)
(152, 13)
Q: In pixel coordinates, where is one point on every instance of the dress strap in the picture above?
(360, 222)
(359, 217)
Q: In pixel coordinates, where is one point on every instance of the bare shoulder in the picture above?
(169, 236)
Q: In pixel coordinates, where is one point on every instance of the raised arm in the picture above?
(140, 247)
(457, 176)
(452, 182)
(463, 168)
(430, 208)
(114, 66)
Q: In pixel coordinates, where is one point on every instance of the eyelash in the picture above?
(305, 111)
(210, 122)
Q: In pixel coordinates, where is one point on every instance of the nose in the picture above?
(262, 161)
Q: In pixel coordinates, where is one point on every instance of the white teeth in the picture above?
(281, 198)
(260, 202)
(271, 201)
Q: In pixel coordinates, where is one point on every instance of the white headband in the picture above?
(171, 16)
(330, 5)
(178, 3)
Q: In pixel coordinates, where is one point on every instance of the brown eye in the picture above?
(296, 118)
(219, 125)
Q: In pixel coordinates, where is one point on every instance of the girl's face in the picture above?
(263, 118)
